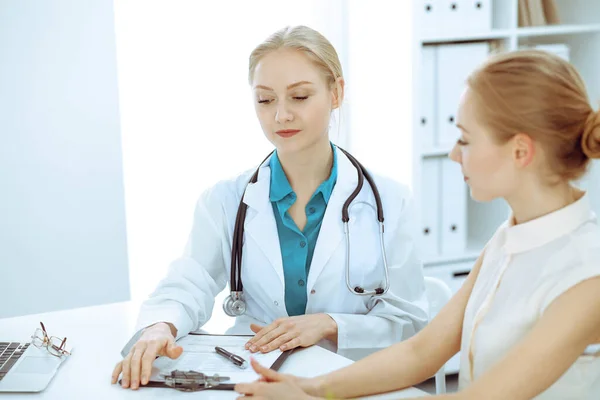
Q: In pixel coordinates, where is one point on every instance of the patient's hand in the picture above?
(292, 332)
(273, 385)
(156, 340)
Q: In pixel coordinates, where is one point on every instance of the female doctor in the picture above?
(296, 287)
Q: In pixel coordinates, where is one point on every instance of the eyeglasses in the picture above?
(54, 344)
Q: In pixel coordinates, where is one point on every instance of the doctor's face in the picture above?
(293, 101)
(486, 165)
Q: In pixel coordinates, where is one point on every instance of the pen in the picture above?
(237, 360)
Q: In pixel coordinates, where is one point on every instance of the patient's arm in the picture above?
(406, 363)
(569, 324)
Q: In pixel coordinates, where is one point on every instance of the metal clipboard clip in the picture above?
(192, 381)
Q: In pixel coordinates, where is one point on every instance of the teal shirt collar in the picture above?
(281, 188)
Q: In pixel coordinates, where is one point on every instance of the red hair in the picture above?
(543, 96)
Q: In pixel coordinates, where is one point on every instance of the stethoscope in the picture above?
(234, 305)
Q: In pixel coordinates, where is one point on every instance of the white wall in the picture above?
(62, 222)
(187, 113)
(188, 118)
(380, 85)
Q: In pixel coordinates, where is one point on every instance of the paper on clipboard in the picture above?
(199, 355)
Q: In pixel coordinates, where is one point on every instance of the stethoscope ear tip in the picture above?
(359, 290)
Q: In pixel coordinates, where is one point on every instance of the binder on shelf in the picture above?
(427, 93)
(454, 63)
(524, 17)
(551, 12)
(451, 17)
(429, 11)
(454, 209)
(561, 50)
(452, 274)
(475, 15)
(430, 208)
(536, 12)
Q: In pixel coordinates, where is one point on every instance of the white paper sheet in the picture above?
(199, 355)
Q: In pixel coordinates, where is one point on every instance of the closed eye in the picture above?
(300, 97)
(461, 142)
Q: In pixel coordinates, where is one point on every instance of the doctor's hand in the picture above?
(156, 340)
(291, 332)
(273, 385)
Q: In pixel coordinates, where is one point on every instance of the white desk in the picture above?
(97, 335)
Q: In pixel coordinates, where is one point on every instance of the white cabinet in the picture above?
(453, 228)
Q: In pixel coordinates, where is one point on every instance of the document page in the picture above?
(199, 355)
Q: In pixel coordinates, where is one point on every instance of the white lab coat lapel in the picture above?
(260, 222)
(331, 234)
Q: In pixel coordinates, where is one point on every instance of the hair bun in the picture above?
(590, 142)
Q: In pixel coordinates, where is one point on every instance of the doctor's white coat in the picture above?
(185, 297)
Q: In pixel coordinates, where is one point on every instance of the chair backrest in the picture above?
(438, 294)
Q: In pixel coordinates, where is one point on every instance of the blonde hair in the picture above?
(307, 40)
(542, 95)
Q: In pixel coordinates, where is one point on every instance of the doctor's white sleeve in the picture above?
(186, 296)
(402, 311)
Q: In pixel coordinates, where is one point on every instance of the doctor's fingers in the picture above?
(292, 344)
(126, 370)
(152, 351)
(278, 342)
(271, 336)
(136, 365)
(117, 372)
(260, 334)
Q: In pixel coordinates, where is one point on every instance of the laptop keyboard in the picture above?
(10, 352)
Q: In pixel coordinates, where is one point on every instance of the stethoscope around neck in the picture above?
(234, 305)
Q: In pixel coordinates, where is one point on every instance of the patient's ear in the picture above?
(523, 149)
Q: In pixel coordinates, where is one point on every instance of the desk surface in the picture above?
(97, 335)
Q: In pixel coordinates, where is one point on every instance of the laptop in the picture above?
(26, 368)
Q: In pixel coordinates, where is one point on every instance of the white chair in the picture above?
(438, 294)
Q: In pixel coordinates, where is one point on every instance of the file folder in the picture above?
(536, 12)
(475, 15)
(427, 93)
(524, 18)
(454, 64)
(551, 12)
(454, 209)
(427, 13)
(430, 207)
(561, 50)
(450, 17)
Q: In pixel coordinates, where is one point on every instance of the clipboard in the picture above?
(209, 383)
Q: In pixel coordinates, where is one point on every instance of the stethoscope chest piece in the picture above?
(234, 305)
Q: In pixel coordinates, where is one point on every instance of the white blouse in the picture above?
(525, 267)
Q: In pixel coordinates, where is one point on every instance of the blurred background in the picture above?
(115, 116)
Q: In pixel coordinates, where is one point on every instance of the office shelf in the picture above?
(579, 30)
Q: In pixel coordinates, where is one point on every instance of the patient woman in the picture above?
(526, 317)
